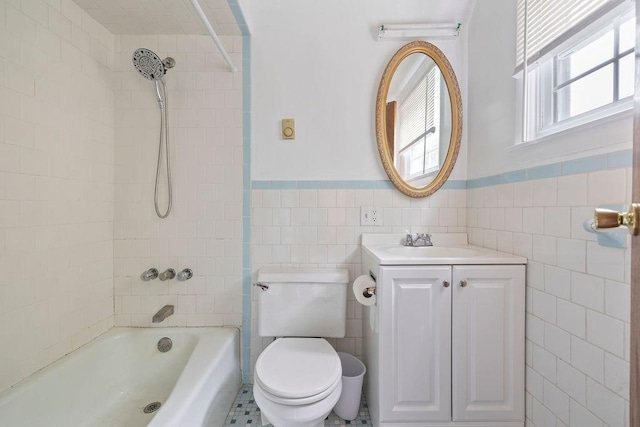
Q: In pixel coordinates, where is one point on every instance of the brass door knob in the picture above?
(608, 218)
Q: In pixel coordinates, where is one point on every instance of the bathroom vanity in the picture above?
(444, 343)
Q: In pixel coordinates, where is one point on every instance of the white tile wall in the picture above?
(56, 183)
(577, 291)
(204, 229)
(321, 228)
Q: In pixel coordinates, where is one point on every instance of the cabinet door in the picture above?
(415, 343)
(488, 343)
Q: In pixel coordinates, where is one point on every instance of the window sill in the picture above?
(626, 113)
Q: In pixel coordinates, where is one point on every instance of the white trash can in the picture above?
(353, 371)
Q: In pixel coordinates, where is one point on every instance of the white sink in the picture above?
(386, 249)
(431, 251)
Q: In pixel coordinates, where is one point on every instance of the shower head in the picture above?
(148, 64)
(151, 67)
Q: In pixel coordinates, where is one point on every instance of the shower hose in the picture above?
(164, 136)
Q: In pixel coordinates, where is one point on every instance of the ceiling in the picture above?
(178, 16)
(340, 15)
(160, 16)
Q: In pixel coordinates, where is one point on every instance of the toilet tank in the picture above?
(302, 302)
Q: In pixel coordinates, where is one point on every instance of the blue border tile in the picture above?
(584, 165)
(542, 172)
(283, 185)
(615, 160)
(240, 20)
(338, 185)
(455, 184)
(620, 159)
(246, 190)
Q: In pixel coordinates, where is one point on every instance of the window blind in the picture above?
(551, 22)
(417, 113)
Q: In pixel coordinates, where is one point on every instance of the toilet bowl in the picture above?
(297, 382)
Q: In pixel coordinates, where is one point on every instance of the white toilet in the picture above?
(298, 377)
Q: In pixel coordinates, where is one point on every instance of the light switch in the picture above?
(288, 129)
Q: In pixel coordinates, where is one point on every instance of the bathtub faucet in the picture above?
(163, 313)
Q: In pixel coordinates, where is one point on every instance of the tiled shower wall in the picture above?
(577, 347)
(320, 227)
(204, 230)
(56, 183)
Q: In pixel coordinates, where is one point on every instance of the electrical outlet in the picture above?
(370, 215)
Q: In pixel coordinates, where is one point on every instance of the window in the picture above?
(418, 149)
(580, 75)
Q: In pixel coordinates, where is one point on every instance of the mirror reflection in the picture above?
(418, 119)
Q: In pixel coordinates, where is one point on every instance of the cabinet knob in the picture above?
(463, 283)
(445, 283)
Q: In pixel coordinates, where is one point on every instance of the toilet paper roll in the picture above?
(359, 285)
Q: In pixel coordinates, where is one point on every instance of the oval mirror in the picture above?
(418, 119)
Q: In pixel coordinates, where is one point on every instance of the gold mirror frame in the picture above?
(456, 117)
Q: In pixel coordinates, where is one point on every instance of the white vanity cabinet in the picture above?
(445, 344)
(451, 343)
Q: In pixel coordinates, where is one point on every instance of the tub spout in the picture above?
(163, 313)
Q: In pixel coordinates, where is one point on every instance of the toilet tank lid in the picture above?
(302, 275)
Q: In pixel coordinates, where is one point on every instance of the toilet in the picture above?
(298, 377)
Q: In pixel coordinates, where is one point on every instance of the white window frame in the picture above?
(539, 119)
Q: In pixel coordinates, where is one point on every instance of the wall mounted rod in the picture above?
(213, 34)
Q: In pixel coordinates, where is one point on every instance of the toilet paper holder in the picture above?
(371, 291)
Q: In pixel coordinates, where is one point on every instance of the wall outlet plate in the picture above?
(370, 215)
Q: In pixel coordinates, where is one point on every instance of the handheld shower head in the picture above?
(151, 67)
(148, 64)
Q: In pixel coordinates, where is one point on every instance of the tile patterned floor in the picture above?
(245, 413)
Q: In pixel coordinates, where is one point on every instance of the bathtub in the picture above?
(110, 381)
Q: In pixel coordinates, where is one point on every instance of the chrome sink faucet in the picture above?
(419, 239)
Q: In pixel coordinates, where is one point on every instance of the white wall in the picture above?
(577, 291)
(319, 62)
(56, 183)
(204, 230)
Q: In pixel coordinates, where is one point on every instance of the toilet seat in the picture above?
(298, 371)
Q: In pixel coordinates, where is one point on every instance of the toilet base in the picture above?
(312, 415)
(265, 421)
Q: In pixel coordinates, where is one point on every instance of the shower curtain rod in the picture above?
(213, 34)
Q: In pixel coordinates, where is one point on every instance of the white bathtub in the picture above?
(109, 381)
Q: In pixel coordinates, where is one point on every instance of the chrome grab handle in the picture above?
(445, 283)
(608, 218)
(463, 283)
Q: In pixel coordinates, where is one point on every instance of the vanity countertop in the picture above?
(448, 248)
